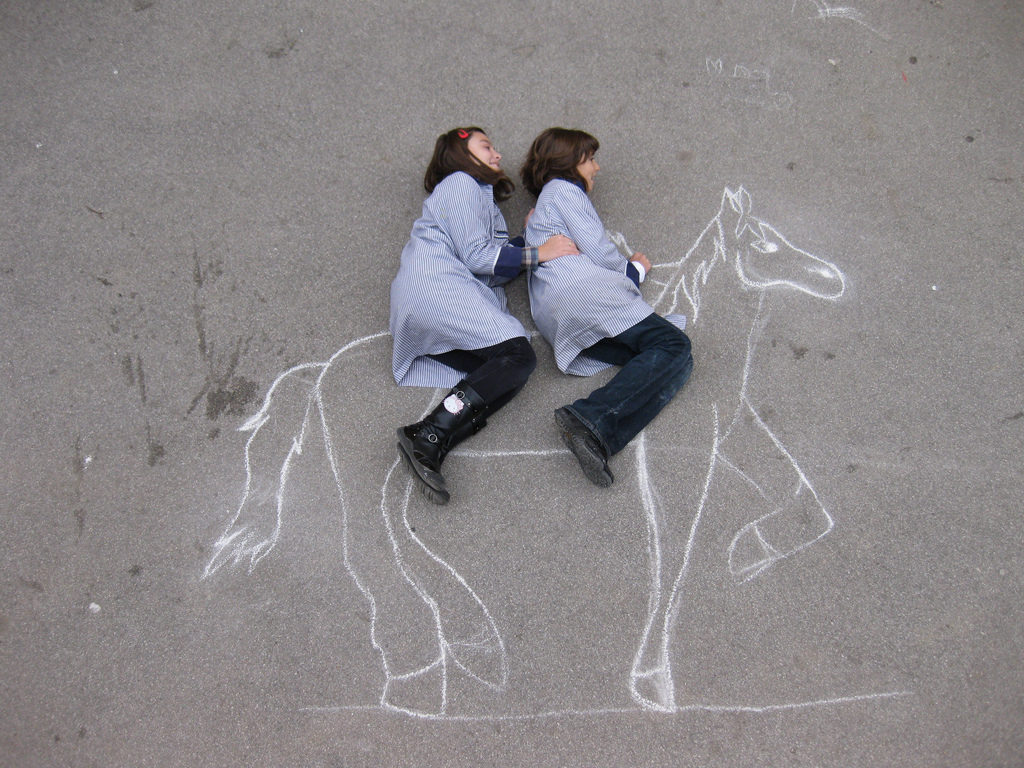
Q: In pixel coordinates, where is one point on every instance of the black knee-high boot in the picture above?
(424, 444)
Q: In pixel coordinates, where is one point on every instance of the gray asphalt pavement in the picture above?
(207, 554)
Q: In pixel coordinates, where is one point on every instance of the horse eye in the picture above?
(765, 246)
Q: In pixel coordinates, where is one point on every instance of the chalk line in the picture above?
(734, 244)
(715, 709)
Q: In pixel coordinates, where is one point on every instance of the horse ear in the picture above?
(738, 200)
(728, 196)
(744, 201)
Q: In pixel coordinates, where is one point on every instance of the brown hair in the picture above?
(451, 154)
(555, 154)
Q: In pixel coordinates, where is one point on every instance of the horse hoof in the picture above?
(653, 690)
(483, 659)
(417, 693)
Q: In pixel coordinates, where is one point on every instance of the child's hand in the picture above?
(642, 260)
(558, 245)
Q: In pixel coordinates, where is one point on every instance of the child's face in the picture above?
(481, 148)
(588, 170)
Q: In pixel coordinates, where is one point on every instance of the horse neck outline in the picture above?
(739, 244)
(690, 283)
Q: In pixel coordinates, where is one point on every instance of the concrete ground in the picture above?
(811, 558)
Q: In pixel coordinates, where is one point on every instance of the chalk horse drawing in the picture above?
(427, 624)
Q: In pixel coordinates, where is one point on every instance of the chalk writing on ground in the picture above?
(825, 10)
(749, 84)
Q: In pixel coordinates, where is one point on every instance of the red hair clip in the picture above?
(462, 134)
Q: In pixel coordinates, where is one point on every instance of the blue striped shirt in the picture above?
(578, 300)
(448, 292)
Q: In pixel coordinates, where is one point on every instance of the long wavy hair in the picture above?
(451, 154)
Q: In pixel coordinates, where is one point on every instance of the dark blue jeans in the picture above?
(656, 362)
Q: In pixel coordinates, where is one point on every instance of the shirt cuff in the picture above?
(635, 272)
(510, 261)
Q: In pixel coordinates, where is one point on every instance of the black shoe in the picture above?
(420, 447)
(424, 444)
(585, 446)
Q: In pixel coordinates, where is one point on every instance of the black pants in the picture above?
(495, 373)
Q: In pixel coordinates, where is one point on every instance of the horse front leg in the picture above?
(672, 534)
(650, 678)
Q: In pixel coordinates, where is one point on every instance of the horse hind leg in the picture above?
(454, 637)
(402, 625)
(469, 644)
(404, 628)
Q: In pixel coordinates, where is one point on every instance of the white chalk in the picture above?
(737, 252)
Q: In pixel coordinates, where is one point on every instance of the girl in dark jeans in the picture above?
(590, 309)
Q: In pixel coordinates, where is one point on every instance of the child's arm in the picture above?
(585, 228)
(552, 248)
(469, 217)
(637, 268)
(465, 214)
(493, 256)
